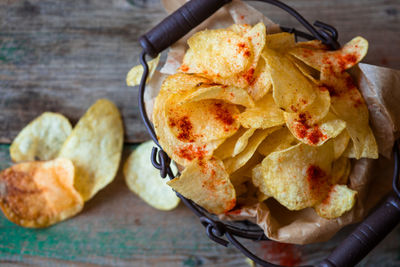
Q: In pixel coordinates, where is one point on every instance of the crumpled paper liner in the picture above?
(371, 178)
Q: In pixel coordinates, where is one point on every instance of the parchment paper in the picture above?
(371, 178)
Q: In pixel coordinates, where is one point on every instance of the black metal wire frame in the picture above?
(215, 228)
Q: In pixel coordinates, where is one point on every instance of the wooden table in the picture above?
(63, 55)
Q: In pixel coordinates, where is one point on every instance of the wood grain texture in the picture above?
(63, 55)
(116, 228)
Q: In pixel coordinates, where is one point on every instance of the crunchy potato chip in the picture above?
(240, 29)
(39, 194)
(339, 60)
(225, 150)
(340, 143)
(232, 94)
(206, 183)
(134, 76)
(340, 200)
(191, 130)
(282, 41)
(233, 164)
(264, 115)
(95, 147)
(244, 173)
(304, 125)
(204, 120)
(315, 134)
(348, 104)
(276, 141)
(144, 180)
(297, 177)
(41, 139)
(217, 52)
(291, 89)
(242, 142)
(311, 73)
(340, 170)
(312, 44)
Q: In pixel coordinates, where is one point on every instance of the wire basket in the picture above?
(359, 243)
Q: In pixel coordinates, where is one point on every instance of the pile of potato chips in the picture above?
(252, 116)
(56, 171)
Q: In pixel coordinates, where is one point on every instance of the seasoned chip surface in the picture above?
(39, 194)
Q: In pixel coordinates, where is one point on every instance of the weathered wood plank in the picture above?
(117, 228)
(63, 55)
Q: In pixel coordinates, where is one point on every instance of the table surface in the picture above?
(63, 55)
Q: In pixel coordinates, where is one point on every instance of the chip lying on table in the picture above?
(252, 116)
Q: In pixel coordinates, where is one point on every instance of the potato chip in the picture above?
(264, 115)
(202, 121)
(340, 143)
(276, 141)
(191, 130)
(41, 139)
(282, 41)
(233, 164)
(348, 104)
(339, 60)
(299, 122)
(340, 170)
(95, 147)
(231, 94)
(225, 150)
(206, 183)
(134, 76)
(242, 142)
(315, 134)
(244, 173)
(217, 52)
(312, 44)
(240, 29)
(309, 72)
(39, 194)
(297, 177)
(144, 180)
(340, 200)
(291, 90)
(256, 81)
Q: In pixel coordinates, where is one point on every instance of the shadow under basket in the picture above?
(368, 233)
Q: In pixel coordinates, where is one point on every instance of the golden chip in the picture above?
(340, 200)
(315, 134)
(297, 177)
(282, 41)
(217, 52)
(349, 106)
(231, 94)
(233, 164)
(264, 115)
(340, 143)
(276, 141)
(144, 180)
(346, 57)
(291, 90)
(206, 182)
(191, 130)
(134, 76)
(340, 170)
(39, 194)
(41, 139)
(95, 147)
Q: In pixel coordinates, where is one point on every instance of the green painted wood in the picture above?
(117, 228)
